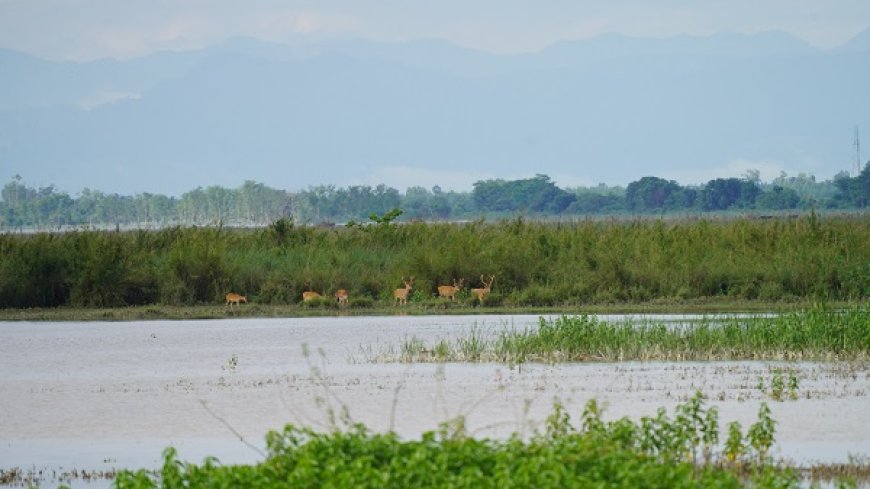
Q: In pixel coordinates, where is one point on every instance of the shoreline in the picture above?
(254, 310)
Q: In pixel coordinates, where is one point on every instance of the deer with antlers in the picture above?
(449, 291)
(487, 288)
(401, 295)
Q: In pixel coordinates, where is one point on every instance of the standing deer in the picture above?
(341, 296)
(450, 290)
(233, 298)
(487, 288)
(401, 295)
(310, 296)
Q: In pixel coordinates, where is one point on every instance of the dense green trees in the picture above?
(855, 191)
(537, 194)
(653, 194)
(256, 204)
(778, 198)
(726, 193)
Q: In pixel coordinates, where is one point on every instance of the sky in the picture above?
(91, 29)
(84, 30)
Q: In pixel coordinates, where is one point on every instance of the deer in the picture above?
(487, 288)
(401, 295)
(310, 295)
(341, 296)
(233, 298)
(450, 290)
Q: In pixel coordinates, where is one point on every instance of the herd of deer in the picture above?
(399, 295)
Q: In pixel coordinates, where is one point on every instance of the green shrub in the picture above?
(770, 291)
(656, 452)
(360, 302)
(278, 289)
(493, 299)
(534, 295)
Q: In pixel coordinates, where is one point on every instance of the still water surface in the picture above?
(110, 395)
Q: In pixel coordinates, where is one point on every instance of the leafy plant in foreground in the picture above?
(659, 452)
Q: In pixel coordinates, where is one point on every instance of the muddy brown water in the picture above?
(98, 396)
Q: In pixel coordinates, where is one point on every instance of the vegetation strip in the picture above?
(163, 312)
(534, 264)
(256, 204)
(679, 451)
(814, 334)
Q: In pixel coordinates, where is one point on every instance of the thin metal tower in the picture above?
(857, 145)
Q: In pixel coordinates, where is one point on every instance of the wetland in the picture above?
(95, 397)
(116, 345)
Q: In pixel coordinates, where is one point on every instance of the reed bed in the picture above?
(535, 264)
(818, 334)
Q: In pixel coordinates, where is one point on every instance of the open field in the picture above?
(99, 396)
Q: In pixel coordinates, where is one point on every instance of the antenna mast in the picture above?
(857, 145)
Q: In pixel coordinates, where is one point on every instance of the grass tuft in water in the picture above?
(818, 333)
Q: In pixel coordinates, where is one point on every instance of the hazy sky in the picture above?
(88, 29)
(91, 29)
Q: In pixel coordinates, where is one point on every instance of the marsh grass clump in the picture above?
(782, 384)
(679, 451)
(231, 364)
(815, 334)
(361, 302)
(818, 333)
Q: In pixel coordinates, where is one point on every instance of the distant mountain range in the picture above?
(610, 109)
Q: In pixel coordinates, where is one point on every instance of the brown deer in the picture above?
(487, 288)
(233, 298)
(341, 296)
(450, 290)
(401, 295)
(310, 295)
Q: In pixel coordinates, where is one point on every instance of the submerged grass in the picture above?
(679, 451)
(818, 333)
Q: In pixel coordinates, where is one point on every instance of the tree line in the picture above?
(255, 204)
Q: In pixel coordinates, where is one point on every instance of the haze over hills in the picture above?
(609, 109)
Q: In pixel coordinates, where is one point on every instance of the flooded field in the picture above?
(101, 396)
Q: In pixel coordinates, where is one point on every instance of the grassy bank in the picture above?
(558, 265)
(819, 334)
(679, 451)
(387, 308)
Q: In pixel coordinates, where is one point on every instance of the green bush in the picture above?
(493, 299)
(278, 289)
(674, 452)
(360, 302)
(534, 295)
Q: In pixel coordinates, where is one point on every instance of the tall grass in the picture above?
(679, 451)
(535, 264)
(814, 334)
